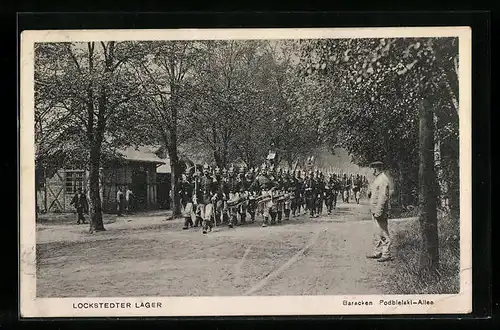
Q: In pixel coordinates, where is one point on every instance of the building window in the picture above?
(74, 181)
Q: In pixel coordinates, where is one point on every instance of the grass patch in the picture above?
(409, 279)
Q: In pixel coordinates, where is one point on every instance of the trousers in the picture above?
(382, 239)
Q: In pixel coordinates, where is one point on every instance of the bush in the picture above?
(409, 279)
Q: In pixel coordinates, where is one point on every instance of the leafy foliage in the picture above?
(375, 89)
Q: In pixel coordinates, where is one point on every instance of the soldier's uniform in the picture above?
(346, 188)
(243, 194)
(288, 187)
(336, 189)
(208, 194)
(231, 192)
(329, 194)
(294, 190)
(303, 200)
(221, 212)
(278, 192)
(187, 194)
(320, 193)
(357, 188)
(252, 194)
(263, 185)
(310, 194)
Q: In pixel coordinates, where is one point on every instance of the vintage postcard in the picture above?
(245, 172)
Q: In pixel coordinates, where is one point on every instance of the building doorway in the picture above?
(140, 188)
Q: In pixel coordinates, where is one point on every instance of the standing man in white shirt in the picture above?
(129, 200)
(120, 200)
(379, 194)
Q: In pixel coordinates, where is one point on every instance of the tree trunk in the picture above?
(175, 203)
(451, 173)
(95, 204)
(44, 190)
(218, 159)
(429, 257)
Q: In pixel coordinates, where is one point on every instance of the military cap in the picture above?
(376, 164)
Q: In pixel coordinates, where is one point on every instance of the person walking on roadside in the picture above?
(379, 194)
(129, 200)
(120, 200)
(81, 205)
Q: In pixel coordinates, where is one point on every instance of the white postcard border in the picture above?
(31, 306)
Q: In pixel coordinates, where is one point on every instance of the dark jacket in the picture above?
(80, 202)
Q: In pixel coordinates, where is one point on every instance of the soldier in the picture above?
(205, 209)
(242, 195)
(221, 213)
(310, 193)
(356, 188)
(337, 187)
(263, 185)
(288, 186)
(346, 188)
(320, 192)
(187, 194)
(252, 205)
(274, 194)
(279, 192)
(294, 190)
(197, 197)
(364, 186)
(303, 188)
(81, 205)
(231, 192)
(329, 191)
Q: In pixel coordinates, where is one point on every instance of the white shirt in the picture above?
(128, 193)
(380, 192)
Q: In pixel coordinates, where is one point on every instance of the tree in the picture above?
(163, 74)
(429, 257)
(227, 103)
(90, 82)
(377, 86)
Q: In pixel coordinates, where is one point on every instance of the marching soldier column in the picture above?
(229, 196)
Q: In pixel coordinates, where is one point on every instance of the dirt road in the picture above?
(149, 256)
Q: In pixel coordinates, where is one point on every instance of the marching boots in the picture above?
(252, 217)
(273, 218)
(225, 217)
(287, 215)
(280, 216)
(266, 220)
(198, 221)
(207, 226)
(243, 219)
(186, 223)
(232, 221)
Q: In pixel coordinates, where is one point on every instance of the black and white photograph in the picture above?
(245, 172)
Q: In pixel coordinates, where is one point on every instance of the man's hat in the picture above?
(205, 166)
(377, 164)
